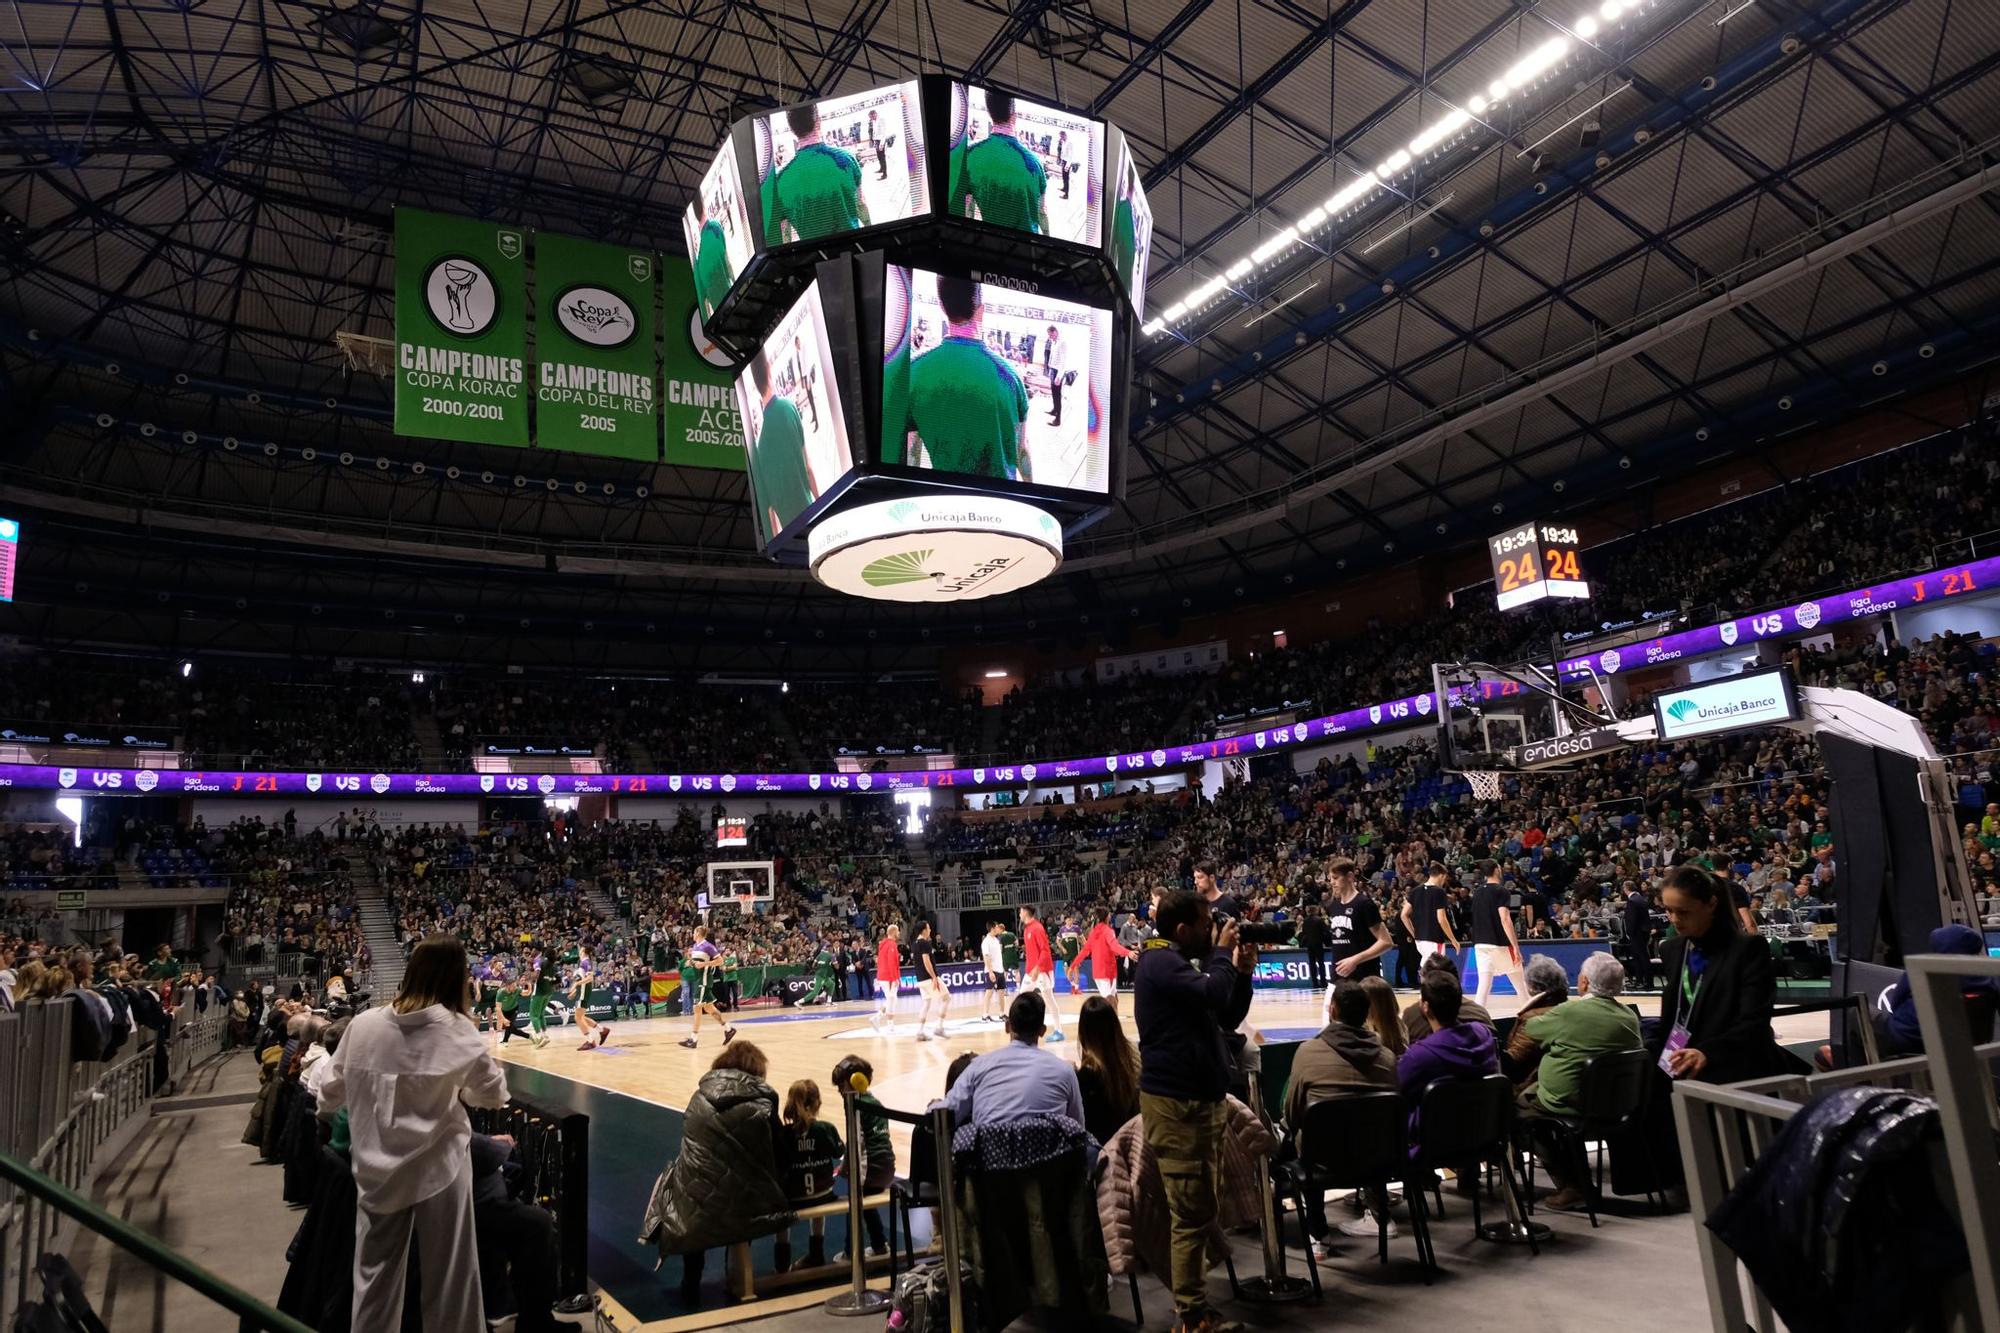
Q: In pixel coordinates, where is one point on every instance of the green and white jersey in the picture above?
(778, 475)
(1005, 180)
(968, 407)
(818, 192)
(711, 267)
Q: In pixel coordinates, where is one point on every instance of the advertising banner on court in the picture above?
(461, 329)
(699, 379)
(596, 387)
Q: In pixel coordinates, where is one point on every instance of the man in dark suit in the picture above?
(1639, 935)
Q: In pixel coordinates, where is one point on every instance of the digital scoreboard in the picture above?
(10, 545)
(1536, 561)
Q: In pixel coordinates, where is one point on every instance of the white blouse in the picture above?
(402, 1078)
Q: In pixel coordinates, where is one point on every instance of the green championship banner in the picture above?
(702, 425)
(461, 329)
(595, 391)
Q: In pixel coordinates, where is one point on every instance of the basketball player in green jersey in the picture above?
(968, 406)
(818, 192)
(1001, 175)
(778, 478)
(711, 264)
(546, 982)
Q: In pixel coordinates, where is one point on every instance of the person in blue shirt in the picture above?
(1019, 1079)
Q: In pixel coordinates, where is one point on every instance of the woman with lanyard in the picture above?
(1715, 1009)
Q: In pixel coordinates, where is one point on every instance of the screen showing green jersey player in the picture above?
(817, 192)
(1026, 166)
(967, 408)
(794, 422)
(717, 228)
(1131, 224)
(1000, 179)
(986, 381)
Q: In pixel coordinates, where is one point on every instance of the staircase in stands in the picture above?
(378, 927)
(430, 741)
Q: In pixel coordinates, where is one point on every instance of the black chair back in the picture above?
(1462, 1118)
(1356, 1139)
(923, 1155)
(1613, 1086)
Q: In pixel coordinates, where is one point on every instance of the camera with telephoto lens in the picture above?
(1265, 934)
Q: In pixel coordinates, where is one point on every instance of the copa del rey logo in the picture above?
(596, 316)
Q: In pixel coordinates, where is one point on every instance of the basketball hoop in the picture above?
(1485, 783)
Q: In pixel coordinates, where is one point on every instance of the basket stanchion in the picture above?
(941, 1128)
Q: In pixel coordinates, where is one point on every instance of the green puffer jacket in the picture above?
(727, 1184)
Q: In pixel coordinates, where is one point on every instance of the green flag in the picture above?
(702, 426)
(461, 329)
(596, 390)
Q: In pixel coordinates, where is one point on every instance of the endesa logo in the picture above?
(1864, 603)
(1657, 651)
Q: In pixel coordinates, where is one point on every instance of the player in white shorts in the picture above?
(994, 959)
(1102, 951)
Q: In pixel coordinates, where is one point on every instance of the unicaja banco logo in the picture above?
(902, 509)
(890, 570)
(461, 297)
(1679, 712)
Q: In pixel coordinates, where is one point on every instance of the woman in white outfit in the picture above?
(406, 1075)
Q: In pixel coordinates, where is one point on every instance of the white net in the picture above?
(1485, 783)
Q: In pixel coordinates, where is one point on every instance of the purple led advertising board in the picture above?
(1409, 711)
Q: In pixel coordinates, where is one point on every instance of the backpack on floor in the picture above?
(921, 1300)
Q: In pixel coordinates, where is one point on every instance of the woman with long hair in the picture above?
(405, 1074)
(1109, 1073)
(1383, 1020)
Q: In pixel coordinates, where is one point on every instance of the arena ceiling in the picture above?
(1705, 224)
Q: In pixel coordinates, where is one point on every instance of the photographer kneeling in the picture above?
(1184, 1015)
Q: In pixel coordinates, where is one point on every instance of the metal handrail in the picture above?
(251, 1313)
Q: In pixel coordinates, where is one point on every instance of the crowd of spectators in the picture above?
(829, 720)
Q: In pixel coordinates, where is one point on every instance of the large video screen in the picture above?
(717, 225)
(1131, 241)
(1019, 164)
(842, 164)
(987, 381)
(794, 427)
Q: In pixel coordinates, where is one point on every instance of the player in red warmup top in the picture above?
(888, 977)
(1038, 968)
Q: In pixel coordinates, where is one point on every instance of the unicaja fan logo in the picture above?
(461, 297)
(1679, 712)
(596, 316)
(889, 570)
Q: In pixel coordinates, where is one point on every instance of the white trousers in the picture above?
(1425, 948)
(1495, 959)
(1045, 982)
(448, 1257)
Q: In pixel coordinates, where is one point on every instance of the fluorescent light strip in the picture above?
(1523, 72)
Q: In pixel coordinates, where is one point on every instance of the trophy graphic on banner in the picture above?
(458, 285)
